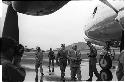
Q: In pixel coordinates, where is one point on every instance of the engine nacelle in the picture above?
(37, 8)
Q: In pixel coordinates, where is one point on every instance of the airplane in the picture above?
(99, 33)
(106, 32)
(35, 8)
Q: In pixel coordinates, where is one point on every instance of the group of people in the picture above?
(11, 53)
(70, 57)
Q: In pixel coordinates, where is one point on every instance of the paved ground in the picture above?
(30, 72)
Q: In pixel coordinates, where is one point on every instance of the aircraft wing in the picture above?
(36, 8)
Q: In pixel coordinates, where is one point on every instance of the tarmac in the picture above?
(55, 76)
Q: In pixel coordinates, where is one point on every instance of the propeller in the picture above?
(109, 5)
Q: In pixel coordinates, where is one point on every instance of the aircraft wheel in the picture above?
(105, 63)
(106, 75)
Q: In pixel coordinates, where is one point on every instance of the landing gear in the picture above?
(106, 65)
(105, 62)
(106, 75)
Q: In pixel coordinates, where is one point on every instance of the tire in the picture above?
(105, 63)
(106, 75)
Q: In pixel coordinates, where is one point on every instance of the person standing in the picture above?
(75, 60)
(61, 60)
(51, 59)
(39, 62)
(120, 69)
(92, 62)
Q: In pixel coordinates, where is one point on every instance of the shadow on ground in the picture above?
(32, 61)
(55, 78)
(28, 69)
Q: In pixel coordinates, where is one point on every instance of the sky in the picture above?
(0, 8)
(66, 25)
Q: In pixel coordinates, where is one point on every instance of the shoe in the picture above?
(73, 79)
(36, 79)
(52, 70)
(49, 70)
(62, 79)
(79, 80)
(42, 74)
(98, 79)
(89, 79)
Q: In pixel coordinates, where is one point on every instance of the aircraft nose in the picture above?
(104, 32)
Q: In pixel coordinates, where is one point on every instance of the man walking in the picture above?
(62, 60)
(92, 62)
(75, 61)
(51, 59)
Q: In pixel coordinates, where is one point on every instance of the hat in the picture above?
(74, 46)
(88, 42)
(38, 48)
(62, 45)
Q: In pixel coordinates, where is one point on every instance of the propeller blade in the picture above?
(10, 28)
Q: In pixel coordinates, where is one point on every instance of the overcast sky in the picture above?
(64, 26)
